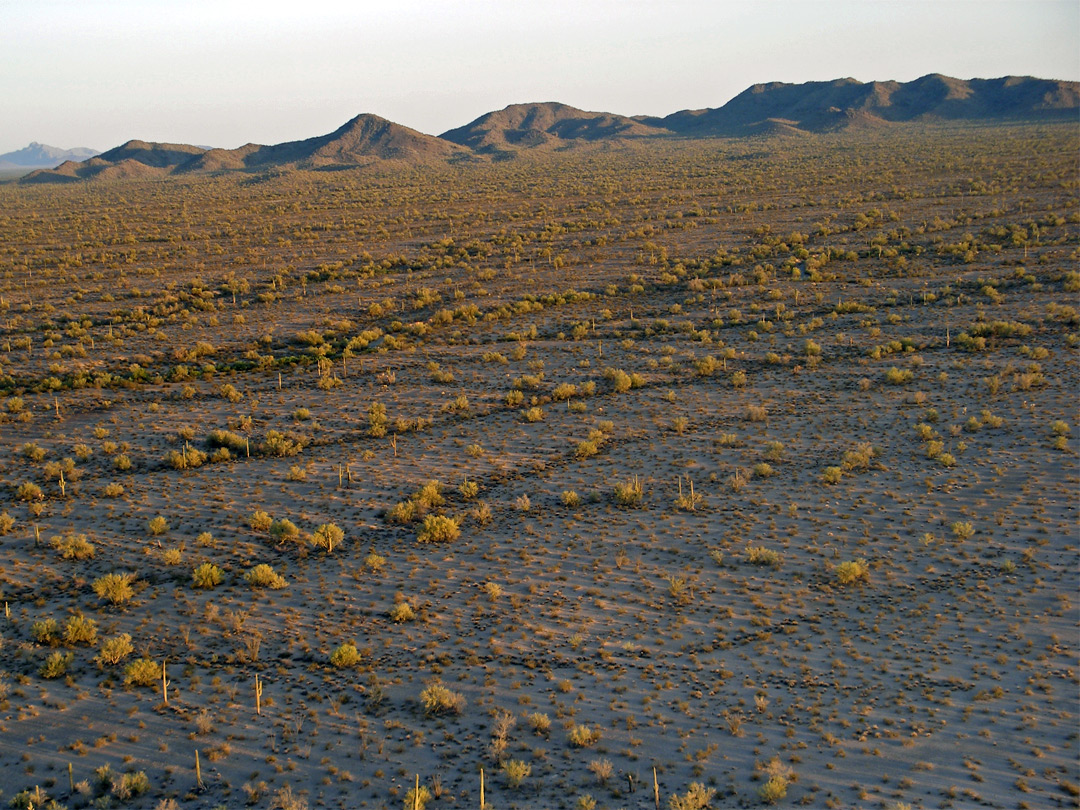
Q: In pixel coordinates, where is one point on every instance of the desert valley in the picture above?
(718, 460)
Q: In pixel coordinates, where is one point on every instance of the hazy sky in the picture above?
(224, 72)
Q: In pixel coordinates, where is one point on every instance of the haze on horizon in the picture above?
(99, 72)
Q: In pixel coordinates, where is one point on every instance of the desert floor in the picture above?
(761, 458)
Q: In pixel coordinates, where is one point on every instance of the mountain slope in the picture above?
(845, 103)
(528, 126)
(361, 141)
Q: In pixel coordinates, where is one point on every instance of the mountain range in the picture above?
(40, 155)
(764, 109)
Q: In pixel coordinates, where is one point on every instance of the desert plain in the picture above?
(729, 472)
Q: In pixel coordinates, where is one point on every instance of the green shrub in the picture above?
(345, 657)
(851, 571)
(963, 530)
(115, 588)
(832, 475)
(56, 665)
(437, 699)
(417, 800)
(697, 797)
(327, 536)
(114, 650)
(402, 612)
(582, 736)
(515, 772)
(774, 790)
(79, 629)
(629, 493)
(283, 530)
(260, 521)
(46, 631)
(759, 555)
(142, 672)
(439, 529)
(73, 546)
(263, 576)
(207, 577)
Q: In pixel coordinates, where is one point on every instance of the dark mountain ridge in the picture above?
(775, 108)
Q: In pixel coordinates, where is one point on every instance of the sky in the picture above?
(223, 73)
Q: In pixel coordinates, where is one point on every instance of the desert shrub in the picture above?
(284, 529)
(469, 489)
(756, 413)
(763, 469)
(345, 657)
(417, 800)
(45, 631)
(697, 797)
(962, 530)
(260, 521)
(113, 490)
(759, 555)
(157, 526)
(130, 785)
(738, 379)
(534, 414)
(564, 391)
(79, 629)
(280, 445)
(515, 771)
(186, 459)
(115, 588)
(114, 650)
(29, 491)
(122, 462)
(571, 499)
(264, 576)
(773, 790)
(437, 699)
(896, 376)
(229, 440)
(7, 522)
(851, 571)
(327, 536)
(439, 529)
(859, 458)
(72, 546)
(581, 736)
(832, 475)
(377, 420)
(539, 722)
(142, 672)
(619, 380)
(402, 612)
(629, 493)
(374, 562)
(207, 577)
(56, 665)
(514, 398)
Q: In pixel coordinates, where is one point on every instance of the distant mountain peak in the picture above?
(40, 155)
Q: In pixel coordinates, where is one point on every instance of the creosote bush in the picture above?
(581, 736)
(142, 672)
(114, 650)
(439, 529)
(345, 657)
(115, 588)
(264, 576)
(851, 571)
(436, 699)
(697, 797)
(207, 577)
